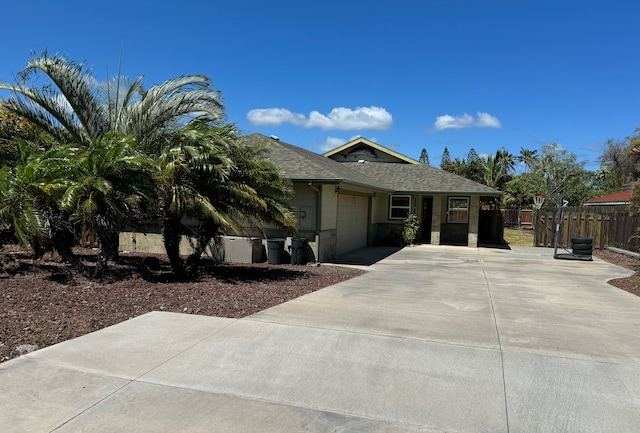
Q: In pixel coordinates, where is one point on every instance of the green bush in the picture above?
(410, 230)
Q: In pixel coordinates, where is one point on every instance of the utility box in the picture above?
(240, 249)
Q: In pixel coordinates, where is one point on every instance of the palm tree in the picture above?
(213, 177)
(19, 207)
(494, 172)
(72, 107)
(506, 159)
(528, 157)
(254, 192)
(192, 159)
(30, 200)
(107, 181)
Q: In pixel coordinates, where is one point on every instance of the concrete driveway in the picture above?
(436, 339)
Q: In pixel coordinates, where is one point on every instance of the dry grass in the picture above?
(518, 238)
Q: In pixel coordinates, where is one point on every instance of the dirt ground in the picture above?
(44, 303)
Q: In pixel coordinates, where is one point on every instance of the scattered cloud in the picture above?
(361, 118)
(332, 142)
(481, 120)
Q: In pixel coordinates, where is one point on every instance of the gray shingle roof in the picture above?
(420, 178)
(297, 163)
(300, 164)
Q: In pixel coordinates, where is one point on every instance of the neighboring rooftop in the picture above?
(616, 198)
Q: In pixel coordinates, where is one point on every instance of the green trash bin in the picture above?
(275, 251)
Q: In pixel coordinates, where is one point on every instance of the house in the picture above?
(360, 193)
(617, 198)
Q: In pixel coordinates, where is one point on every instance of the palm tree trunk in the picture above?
(63, 239)
(109, 239)
(171, 234)
(206, 231)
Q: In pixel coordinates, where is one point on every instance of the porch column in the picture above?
(436, 220)
(474, 218)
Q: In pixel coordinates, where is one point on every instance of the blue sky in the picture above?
(407, 74)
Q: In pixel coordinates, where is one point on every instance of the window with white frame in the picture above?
(399, 206)
(458, 211)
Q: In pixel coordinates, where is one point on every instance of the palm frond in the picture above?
(77, 85)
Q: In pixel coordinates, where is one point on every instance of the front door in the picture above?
(427, 215)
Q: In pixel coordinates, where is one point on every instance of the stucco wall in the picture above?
(304, 205)
(151, 243)
(474, 217)
(328, 218)
(436, 218)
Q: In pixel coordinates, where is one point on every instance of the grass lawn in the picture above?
(518, 238)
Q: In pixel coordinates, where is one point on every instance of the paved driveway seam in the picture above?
(495, 321)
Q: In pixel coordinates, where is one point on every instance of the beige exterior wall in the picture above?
(437, 215)
(304, 205)
(150, 243)
(380, 208)
(474, 217)
(328, 218)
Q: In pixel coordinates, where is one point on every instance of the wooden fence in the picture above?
(608, 226)
(521, 218)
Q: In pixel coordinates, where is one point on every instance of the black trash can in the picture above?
(275, 250)
(299, 251)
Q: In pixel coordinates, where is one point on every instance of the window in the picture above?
(399, 206)
(458, 210)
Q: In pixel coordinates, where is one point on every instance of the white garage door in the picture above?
(353, 212)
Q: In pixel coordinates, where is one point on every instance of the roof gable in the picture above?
(361, 149)
(298, 164)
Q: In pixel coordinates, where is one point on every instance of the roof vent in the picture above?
(275, 137)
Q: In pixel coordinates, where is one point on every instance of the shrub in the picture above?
(410, 230)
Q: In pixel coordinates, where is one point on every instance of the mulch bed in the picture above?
(630, 284)
(44, 303)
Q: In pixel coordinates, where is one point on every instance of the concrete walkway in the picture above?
(436, 339)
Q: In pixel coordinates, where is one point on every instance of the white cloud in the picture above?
(331, 143)
(486, 120)
(369, 118)
(482, 120)
(274, 117)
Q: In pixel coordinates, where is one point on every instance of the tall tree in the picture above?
(445, 161)
(424, 156)
(619, 163)
(474, 166)
(563, 174)
(506, 159)
(520, 190)
(528, 157)
(494, 173)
